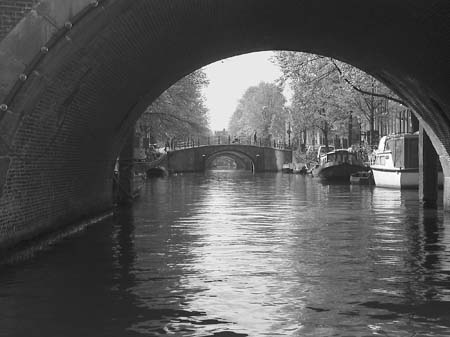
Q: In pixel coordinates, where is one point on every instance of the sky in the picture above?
(230, 78)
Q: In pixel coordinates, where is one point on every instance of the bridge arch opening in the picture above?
(72, 90)
(233, 160)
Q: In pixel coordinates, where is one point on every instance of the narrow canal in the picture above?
(232, 254)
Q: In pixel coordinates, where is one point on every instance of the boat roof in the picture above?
(401, 135)
(382, 143)
(340, 150)
(404, 135)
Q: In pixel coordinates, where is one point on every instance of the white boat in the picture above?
(396, 162)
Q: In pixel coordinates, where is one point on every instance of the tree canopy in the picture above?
(179, 112)
(261, 110)
(326, 91)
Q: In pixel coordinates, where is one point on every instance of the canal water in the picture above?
(234, 254)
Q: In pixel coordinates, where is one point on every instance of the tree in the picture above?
(369, 97)
(179, 112)
(260, 110)
(326, 91)
(319, 99)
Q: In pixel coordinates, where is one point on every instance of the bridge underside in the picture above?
(76, 76)
(242, 162)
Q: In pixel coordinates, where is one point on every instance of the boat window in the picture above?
(323, 149)
(380, 160)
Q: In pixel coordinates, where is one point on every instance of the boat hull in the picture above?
(399, 178)
(337, 171)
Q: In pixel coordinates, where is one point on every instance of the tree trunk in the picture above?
(350, 129)
(325, 136)
(305, 136)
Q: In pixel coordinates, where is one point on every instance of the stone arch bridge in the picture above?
(197, 159)
(76, 75)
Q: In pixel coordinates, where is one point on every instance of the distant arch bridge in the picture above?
(197, 159)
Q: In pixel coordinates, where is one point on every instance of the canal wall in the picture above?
(45, 181)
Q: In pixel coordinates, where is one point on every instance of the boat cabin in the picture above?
(340, 157)
(403, 148)
(323, 150)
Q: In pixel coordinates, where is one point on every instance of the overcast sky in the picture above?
(230, 78)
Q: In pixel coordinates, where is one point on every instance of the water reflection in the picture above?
(236, 254)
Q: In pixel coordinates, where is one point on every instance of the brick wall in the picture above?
(11, 12)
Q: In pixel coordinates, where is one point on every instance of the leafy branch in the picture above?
(364, 92)
(178, 118)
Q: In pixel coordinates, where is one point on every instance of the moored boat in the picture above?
(396, 162)
(287, 168)
(362, 178)
(300, 168)
(338, 165)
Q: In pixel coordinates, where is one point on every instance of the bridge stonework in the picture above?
(76, 74)
(11, 12)
(264, 159)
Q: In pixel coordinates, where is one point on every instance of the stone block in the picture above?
(4, 166)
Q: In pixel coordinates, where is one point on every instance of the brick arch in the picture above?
(235, 155)
(68, 118)
(12, 13)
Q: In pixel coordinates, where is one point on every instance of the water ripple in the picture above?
(236, 254)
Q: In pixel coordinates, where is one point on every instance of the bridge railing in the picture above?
(190, 142)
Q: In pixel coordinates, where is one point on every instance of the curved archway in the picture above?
(66, 119)
(242, 160)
